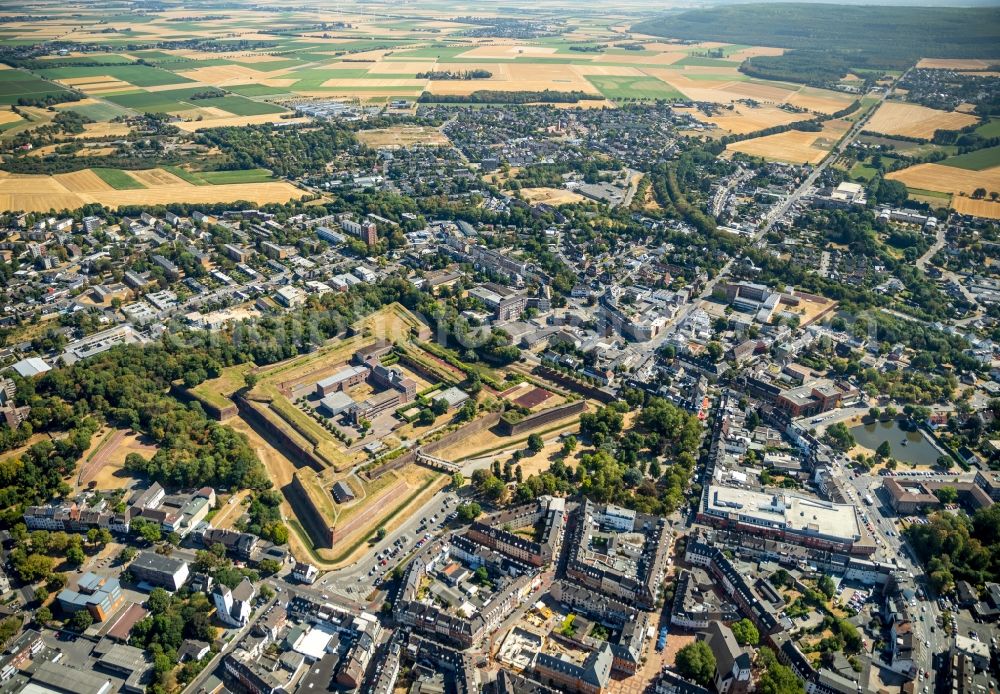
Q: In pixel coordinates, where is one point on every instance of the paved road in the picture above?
(196, 685)
(357, 581)
(894, 547)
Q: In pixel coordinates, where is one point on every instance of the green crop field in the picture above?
(979, 160)
(152, 56)
(90, 58)
(990, 129)
(617, 88)
(239, 106)
(97, 112)
(314, 79)
(157, 102)
(256, 90)
(117, 179)
(138, 75)
(15, 84)
(210, 178)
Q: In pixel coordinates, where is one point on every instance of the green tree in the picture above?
(469, 512)
(884, 450)
(34, 567)
(535, 443)
(827, 586)
(696, 662)
(439, 406)
(482, 575)
(75, 555)
(493, 488)
(80, 621)
(776, 678)
(457, 480)
(158, 601)
(839, 437)
(43, 615)
(746, 633)
(947, 495)
(426, 417)
(468, 411)
(269, 567)
(715, 351)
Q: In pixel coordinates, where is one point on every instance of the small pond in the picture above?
(917, 449)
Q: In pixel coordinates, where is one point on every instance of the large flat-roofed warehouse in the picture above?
(793, 518)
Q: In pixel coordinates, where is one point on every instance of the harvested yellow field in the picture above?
(104, 130)
(755, 52)
(156, 177)
(550, 196)
(954, 64)
(507, 52)
(661, 47)
(794, 146)
(8, 116)
(235, 121)
(742, 119)
(608, 70)
(403, 136)
(255, 58)
(85, 181)
(713, 72)
(948, 179)
(520, 77)
(93, 79)
(35, 193)
(402, 67)
(109, 87)
(204, 112)
(913, 120)
(659, 59)
(820, 100)
(978, 208)
(362, 82)
(225, 74)
(759, 92)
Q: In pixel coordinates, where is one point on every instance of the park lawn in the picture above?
(15, 84)
(616, 87)
(978, 160)
(239, 106)
(118, 179)
(861, 171)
